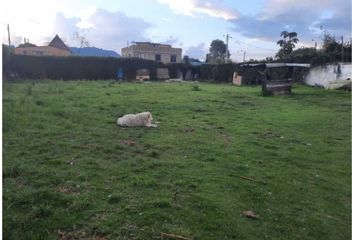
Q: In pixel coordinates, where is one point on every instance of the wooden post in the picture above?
(264, 82)
(342, 50)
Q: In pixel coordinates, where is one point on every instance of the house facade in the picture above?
(153, 51)
(55, 48)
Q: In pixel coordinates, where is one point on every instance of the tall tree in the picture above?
(81, 39)
(217, 52)
(287, 44)
(185, 59)
(328, 40)
(338, 49)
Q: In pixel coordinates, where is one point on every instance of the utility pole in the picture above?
(8, 34)
(227, 47)
(342, 50)
(244, 55)
(313, 40)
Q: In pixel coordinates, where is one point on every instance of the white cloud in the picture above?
(166, 19)
(112, 30)
(102, 29)
(274, 8)
(198, 51)
(85, 14)
(171, 40)
(190, 7)
(27, 21)
(302, 16)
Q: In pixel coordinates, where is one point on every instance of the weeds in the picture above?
(196, 88)
(29, 90)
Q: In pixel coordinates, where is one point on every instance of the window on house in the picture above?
(158, 57)
(141, 55)
(173, 58)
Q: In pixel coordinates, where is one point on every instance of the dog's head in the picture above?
(147, 116)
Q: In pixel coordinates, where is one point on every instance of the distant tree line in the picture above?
(333, 50)
(215, 69)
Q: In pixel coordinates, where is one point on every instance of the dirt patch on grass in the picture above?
(225, 138)
(128, 142)
(67, 190)
(270, 134)
(93, 146)
(188, 130)
(83, 235)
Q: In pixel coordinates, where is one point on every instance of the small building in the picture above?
(330, 76)
(276, 84)
(153, 51)
(55, 48)
(237, 79)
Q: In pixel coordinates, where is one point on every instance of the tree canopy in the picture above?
(287, 44)
(217, 52)
(187, 59)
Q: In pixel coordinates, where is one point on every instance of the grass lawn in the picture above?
(70, 172)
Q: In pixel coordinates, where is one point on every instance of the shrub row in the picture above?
(95, 68)
(69, 68)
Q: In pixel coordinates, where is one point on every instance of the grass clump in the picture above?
(196, 88)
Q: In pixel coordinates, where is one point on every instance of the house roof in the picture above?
(58, 43)
(151, 43)
(26, 44)
(273, 65)
(197, 63)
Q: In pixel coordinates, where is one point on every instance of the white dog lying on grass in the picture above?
(143, 119)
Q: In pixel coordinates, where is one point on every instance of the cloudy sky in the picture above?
(254, 25)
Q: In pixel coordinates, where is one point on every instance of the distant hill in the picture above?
(93, 51)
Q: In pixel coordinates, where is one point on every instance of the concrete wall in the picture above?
(330, 76)
(149, 50)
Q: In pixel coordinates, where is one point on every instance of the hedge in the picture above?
(69, 68)
(96, 68)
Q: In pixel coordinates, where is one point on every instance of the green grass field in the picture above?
(69, 172)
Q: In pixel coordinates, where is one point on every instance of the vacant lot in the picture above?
(70, 172)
